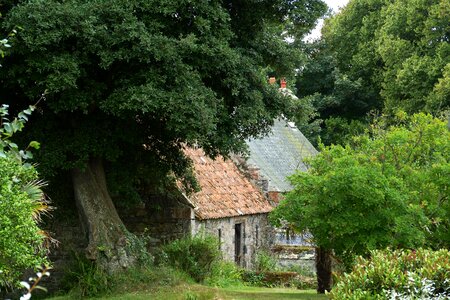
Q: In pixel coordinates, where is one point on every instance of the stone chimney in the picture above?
(253, 171)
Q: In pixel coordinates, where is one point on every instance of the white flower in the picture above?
(26, 296)
(25, 284)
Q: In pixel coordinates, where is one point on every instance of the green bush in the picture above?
(265, 261)
(193, 255)
(253, 278)
(224, 274)
(407, 274)
(21, 203)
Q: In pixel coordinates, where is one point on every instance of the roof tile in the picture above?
(226, 192)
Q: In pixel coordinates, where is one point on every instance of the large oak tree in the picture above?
(129, 82)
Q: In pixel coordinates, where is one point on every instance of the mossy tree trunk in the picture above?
(105, 230)
(323, 266)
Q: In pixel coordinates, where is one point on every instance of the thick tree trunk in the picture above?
(323, 266)
(106, 232)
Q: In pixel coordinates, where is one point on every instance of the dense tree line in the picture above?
(377, 55)
(375, 96)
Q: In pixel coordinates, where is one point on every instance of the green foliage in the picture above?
(389, 189)
(379, 55)
(407, 274)
(194, 255)
(224, 274)
(341, 130)
(265, 261)
(138, 246)
(281, 279)
(8, 129)
(85, 279)
(414, 46)
(5, 43)
(159, 73)
(254, 278)
(21, 204)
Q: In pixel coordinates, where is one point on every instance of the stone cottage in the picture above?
(229, 206)
(272, 159)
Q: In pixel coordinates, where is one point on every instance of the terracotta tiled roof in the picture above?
(225, 191)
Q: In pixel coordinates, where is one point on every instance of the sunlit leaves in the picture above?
(390, 189)
(21, 203)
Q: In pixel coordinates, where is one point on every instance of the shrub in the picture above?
(193, 255)
(407, 274)
(21, 203)
(224, 274)
(253, 278)
(265, 261)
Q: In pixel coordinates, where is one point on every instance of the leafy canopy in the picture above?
(378, 55)
(390, 189)
(123, 74)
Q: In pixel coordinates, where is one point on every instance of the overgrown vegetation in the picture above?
(267, 273)
(188, 260)
(391, 188)
(84, 279)
(265, 261)
(194, 255)
(399, 274)
(224, 274)
(22, 202)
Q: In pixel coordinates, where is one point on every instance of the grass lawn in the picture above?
(200, 292)
(241, 293)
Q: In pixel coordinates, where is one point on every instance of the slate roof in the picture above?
(226, 192)
(280, 154)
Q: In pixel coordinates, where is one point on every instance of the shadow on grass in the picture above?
(200, 292)
(244, 293)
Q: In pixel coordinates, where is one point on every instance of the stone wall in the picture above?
(294, 250)
(163, 218)
(296, 257)
(71, 242)
(256, 234)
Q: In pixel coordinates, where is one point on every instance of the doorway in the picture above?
(238, 243)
